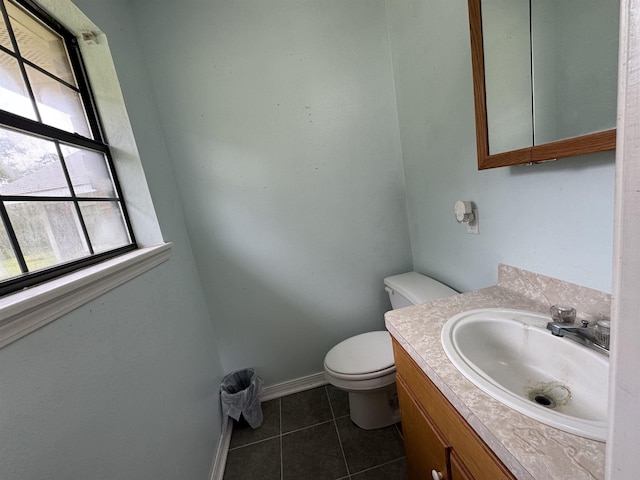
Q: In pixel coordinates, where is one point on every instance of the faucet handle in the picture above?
(563, 313)
(603, 333)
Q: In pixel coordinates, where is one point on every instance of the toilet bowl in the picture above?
(363, 365)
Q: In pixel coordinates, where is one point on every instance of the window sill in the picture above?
(23, 312)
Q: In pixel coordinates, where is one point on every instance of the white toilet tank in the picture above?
(413, 288)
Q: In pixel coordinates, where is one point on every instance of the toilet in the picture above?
(363, 365)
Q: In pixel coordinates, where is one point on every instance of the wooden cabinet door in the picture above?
(458, 470)
(425, 449)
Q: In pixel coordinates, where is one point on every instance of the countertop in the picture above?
(530, 449)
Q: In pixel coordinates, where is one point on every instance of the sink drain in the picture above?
(549, 395)
(544, 399)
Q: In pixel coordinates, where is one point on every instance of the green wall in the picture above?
(280, 120)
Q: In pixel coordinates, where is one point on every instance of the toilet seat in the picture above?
(365, 356)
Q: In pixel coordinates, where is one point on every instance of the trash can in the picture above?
(240, 395)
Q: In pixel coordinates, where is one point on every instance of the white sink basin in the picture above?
(511, 356)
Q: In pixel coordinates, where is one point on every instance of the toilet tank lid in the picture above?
(418, 288)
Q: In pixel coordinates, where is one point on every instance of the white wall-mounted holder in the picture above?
(466, 214)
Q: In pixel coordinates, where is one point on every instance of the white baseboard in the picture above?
(293, 386)
(220, 461)
(269, 393)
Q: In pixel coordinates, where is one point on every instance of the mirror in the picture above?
(545, 78)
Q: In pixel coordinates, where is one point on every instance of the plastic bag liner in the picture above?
(240, 395)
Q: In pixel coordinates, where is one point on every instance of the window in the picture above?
(60, 203)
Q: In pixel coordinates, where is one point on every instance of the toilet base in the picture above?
(374, 409)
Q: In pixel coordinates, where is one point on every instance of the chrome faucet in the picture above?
(595, 338)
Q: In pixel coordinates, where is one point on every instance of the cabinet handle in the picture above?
(436, 475)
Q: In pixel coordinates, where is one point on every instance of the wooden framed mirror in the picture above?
(595, 140)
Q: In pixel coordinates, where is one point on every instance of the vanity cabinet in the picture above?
(439, 443)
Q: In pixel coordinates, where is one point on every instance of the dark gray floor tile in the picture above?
(244, 434)
(313, 453)
(304, 409)
(339, 401)
(259, 460)
(365, 449)
(391, 471)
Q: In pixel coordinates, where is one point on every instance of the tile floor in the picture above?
(309, 436)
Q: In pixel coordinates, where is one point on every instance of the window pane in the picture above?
(30, 166)
(49, 233)
(88, 172)
(5, 41)
(59, 105)
(14, 96)
(39, 44)
(105, 224)
(9, 266)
